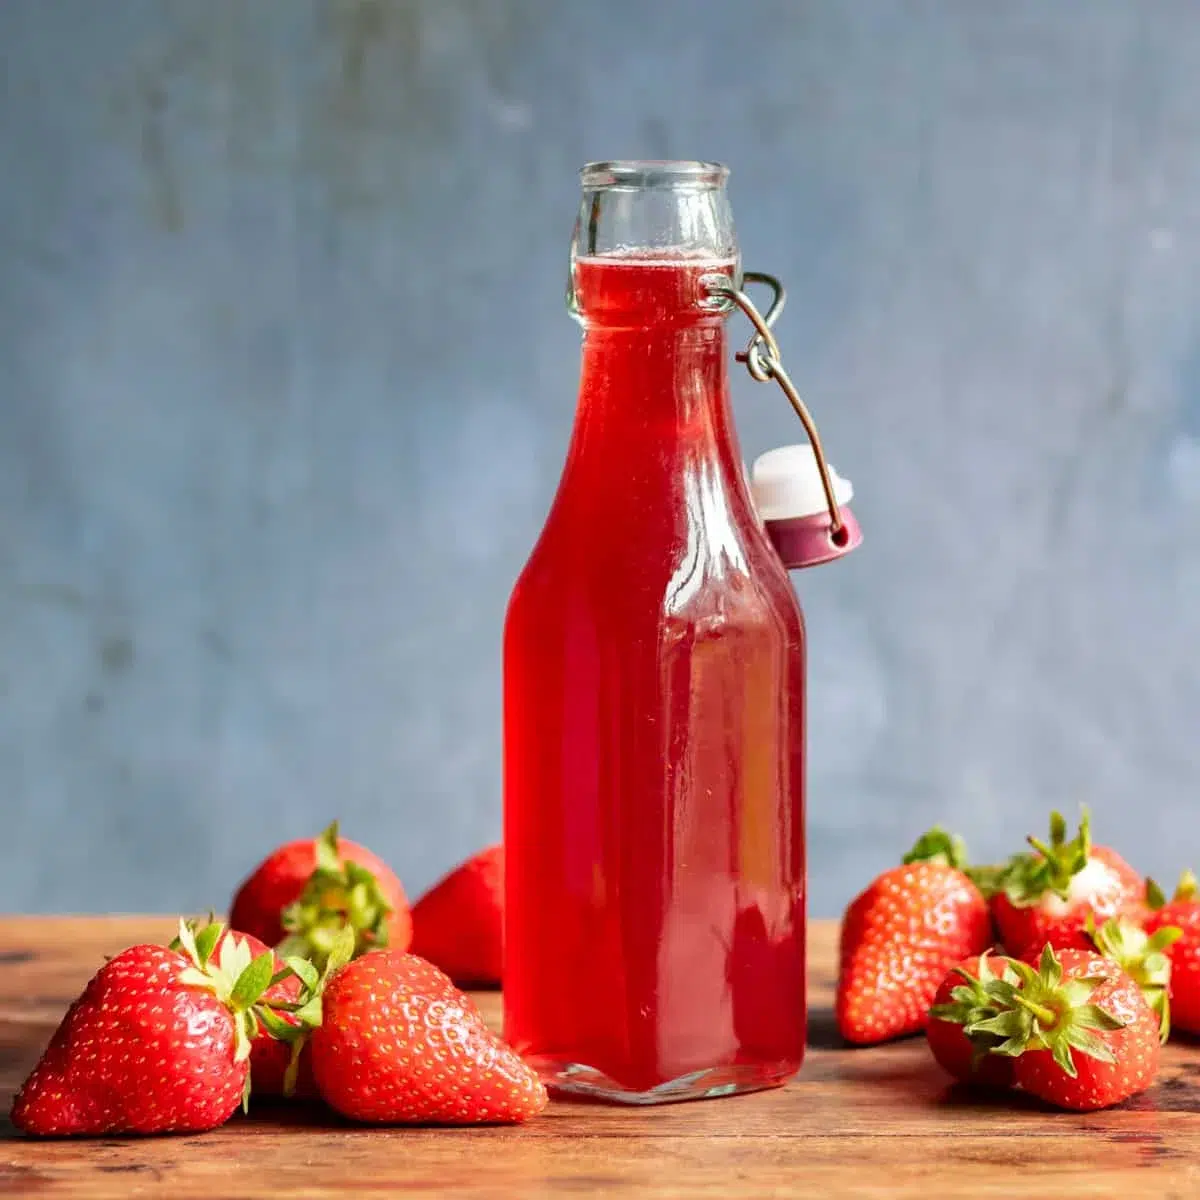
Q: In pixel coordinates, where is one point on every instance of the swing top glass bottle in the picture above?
(654, 691)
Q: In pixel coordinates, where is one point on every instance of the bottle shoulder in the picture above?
(611, 580)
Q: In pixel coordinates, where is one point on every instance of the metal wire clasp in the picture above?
(763, 361)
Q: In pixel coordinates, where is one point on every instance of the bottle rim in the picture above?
(640, 173)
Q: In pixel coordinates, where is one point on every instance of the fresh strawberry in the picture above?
(1079, 1030)
(1046, 897)
(1181, 912)
(900, 937)
(963, 999)
(303, 893)
(271, 1056)
(398, 1043)
(157, 1042)
(458, 925)
(1143, 956)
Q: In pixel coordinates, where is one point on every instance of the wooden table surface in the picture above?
(877, 1122)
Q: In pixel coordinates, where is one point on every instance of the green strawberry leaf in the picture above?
(276, 1026)
(341, 951)
(306, 972)
(253, 981)
(328, 858)
(245, 1029)
(1089, 1044)
(293, 1068)
(186, 939)
(1090, 1016)
(206, 941)
(938, 846)
(1050, 968)
(1060, 1048)
(309, 1013)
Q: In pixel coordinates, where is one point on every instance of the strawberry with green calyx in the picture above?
(270, 1055)
(292, 1024)
(964, 998)
(901, 935)
(391, 1040)
(229, 968)
(339, 893)
(1046, 896)
(305, 891)
(1143, 957)
(1182, 912)
(158, 1042)
(1079, 1029)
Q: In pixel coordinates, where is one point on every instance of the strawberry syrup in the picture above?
(654, 717)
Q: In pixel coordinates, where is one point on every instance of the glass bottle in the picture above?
(654, 691)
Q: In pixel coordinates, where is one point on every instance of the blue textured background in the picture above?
(286, 382)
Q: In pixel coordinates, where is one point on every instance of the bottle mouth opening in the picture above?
(634, 174)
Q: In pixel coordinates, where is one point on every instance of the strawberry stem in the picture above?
(1045, 1016)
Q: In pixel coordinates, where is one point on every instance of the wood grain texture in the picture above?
(878, 1122)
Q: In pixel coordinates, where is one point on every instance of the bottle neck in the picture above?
(654, 351)
(649, 388)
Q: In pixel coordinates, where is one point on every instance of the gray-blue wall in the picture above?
(286, 381)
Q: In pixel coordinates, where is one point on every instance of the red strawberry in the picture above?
(1080, 1031)
(398, 1043)
(1047, 896)
(962, 1000)
(157, 1042)
(901, 936)
(1183, 913)
(1144, 956)
(270, 1057)
(458, 925)
(307, 890)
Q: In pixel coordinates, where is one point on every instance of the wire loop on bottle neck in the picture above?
(763, 360)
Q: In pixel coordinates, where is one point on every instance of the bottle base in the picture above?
(567, 1079)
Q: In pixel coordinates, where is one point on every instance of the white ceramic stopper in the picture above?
(786, 483)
